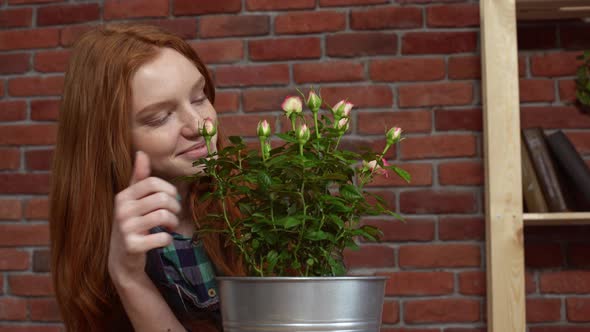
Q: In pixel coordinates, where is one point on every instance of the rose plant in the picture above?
(300, 203)
(583, 82)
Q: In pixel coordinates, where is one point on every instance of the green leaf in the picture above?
(402, 173)
(264, 179)
(236, 140)
(316, 235)
(288, 138)
(350, 192)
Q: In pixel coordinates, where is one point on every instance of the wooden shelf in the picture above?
(556, 219)
(552, 9)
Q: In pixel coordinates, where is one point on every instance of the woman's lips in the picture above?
(195, 153)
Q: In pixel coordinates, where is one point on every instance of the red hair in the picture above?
(93, 162)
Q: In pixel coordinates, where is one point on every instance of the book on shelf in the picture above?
(545, 169)
(534, 200)
(573, 169)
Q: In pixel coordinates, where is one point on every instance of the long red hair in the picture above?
(93, 162)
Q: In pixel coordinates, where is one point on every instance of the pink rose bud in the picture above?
(376, 168)
(292, 104)
(303, 134)
(347, 109)
(209, 128)
(342, 124)
(393, 135)
(314, 102)
(263, 129)
(342, 109)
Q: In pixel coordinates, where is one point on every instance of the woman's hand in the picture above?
(146, 203)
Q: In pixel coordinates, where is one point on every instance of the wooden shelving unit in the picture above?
(505, 219)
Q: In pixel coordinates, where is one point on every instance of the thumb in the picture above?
(141, 168)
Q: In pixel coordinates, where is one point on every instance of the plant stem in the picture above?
(337, 142)
(315, 122)
(301, 149)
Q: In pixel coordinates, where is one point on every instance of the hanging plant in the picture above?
(583, 82)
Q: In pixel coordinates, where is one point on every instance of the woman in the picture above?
(121, 224)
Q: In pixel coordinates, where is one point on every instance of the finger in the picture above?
(141, 167)
(149, 186)
(155, 201)
(140, 245)
(160, 217)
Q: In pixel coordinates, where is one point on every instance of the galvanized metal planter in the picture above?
(281, 304)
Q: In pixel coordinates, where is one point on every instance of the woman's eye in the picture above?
(158, 121)
(199, 101)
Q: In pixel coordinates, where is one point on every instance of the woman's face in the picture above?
(169, 107)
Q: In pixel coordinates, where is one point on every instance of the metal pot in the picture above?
(344, 304)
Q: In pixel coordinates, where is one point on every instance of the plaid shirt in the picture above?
(185, 277)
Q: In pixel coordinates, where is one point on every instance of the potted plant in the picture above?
(583, 82)
(300, 206)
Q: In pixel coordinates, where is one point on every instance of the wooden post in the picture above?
(504, 225)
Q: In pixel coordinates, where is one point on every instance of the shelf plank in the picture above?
(501, 117)
(552, 9)
(556, 219)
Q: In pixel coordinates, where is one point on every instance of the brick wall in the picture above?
(412, 63)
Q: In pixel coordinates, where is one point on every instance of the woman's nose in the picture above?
(191, 122)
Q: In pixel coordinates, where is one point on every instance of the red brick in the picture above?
(227, 101)
(435, 94)
(371, 256)
(45, 310)
(459, 15)
(581, 141)
(421, 175)
(36, 86)
(259, 100)
(185, 28)
(472, 283)
(575, 36)
(407, 69)
(543, 255)
(462, 173)
(9, 159)
(412, 229)
(390, 312)
(52, 61)
(37, 209)
(39, 160)
(553, 117)
(309, 22)
(27, 39)
(29, 328)
(41, 261)
(243, 125)
(361, 96)
(13, 110)
(192, 7)
(537, 90)
(346, 3)
(30, 285)
(24, 235)
(219, 51)
(379, 123)
(439, 146)
(418, 283)
(441, 311)
(10, 209)
(233, 26)
(555, 64)
(386, 195)
(542, 37)
(15, 63)
(386, 18)
(559, 328)
(361, 44)
(14, 18)
(261, 5)
(41, 134)
(470, 119)
(11, 259)
(543, 310)
(424, 201)
(252, 75)
(439, 255)
(28, 2)
(439, 42)
(565, 282)
(567, 90)
(331, 71)
(44, 109)
(461, 228)
(11, 183)
(12, 308)
(578, 309)
(284, 49)
(68, 14)
(360, 144)
(577, 254)
(117, 9)
(469, 67)
(69, 34)
(1, 88)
